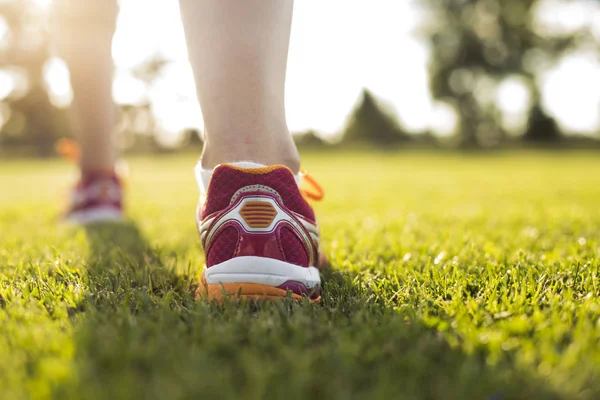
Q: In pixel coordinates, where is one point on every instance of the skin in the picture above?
(238, 51)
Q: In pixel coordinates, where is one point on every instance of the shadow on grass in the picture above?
(123, 266)
(122, 238)
(144, 336)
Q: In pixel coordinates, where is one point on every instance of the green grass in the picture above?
(453, 277)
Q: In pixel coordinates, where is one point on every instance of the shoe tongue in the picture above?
(203, 175)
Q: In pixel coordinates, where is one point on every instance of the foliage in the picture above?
(370, 122)
(308, 139)
(30, 117)
(479, 44)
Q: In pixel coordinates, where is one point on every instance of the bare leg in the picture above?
(83, 32)
(238, 50)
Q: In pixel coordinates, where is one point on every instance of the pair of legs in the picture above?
(238, 51)
(259, 234)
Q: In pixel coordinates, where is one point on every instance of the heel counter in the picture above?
(258, 225)
(249, 227)
(293, 249)
(224, 246)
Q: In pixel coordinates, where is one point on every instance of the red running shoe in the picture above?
(96, 198)
(259, 233)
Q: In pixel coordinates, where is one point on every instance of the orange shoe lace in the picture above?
(68, 149)
(309, 187)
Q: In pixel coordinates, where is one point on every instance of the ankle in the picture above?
(282, 153)
(97, 170)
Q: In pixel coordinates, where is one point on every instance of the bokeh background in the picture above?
(460, 74)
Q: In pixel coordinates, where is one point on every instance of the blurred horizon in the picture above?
(338, 49)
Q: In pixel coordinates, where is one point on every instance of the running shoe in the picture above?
(98, 197)
(259, 233)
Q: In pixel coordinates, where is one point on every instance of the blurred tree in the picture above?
(370, 122)
(138, 126)
(541, 127)
(477, 45)
(308, 139)
(28, 119)
(24, 50)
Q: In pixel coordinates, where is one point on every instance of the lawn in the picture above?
(452, 277)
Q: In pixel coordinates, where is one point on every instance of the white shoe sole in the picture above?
(261, 271)
(94, 215)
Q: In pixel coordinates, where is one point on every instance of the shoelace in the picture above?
(68, 149)
(309, 187)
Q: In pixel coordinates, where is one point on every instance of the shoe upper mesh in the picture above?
(293, 249)
(227, 241)
(226, 181)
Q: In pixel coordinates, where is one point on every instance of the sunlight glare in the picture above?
(129, 90)
(514, 100)
(57, 79)
(444, 119)
(571, 92)
(7, 84)
(334, 55)
(43, 4)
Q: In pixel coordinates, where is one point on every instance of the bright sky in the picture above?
(339, 47)
(333, 56)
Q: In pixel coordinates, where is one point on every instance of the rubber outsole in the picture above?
(94, 216)
(251, 291)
